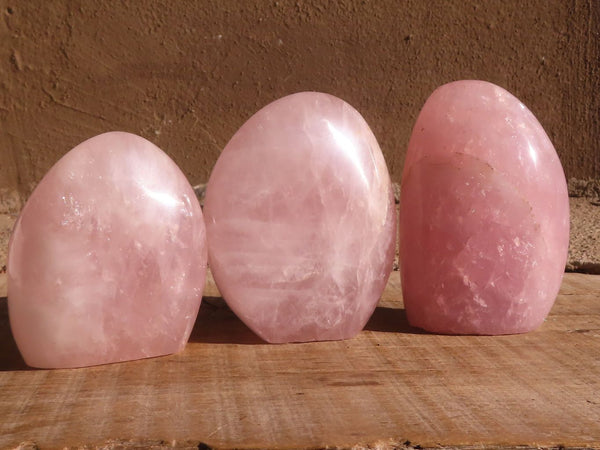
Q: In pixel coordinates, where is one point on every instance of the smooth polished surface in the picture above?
(484, 215)
(107, 260)
(300, 220)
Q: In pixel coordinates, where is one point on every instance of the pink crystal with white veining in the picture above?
(484, 215)
(300, 220)
(107, 261)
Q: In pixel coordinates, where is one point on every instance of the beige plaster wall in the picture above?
(187, 74)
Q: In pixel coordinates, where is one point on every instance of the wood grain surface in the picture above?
(392, 386)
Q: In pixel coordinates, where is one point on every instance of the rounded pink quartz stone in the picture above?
(301, 221)
(107, 260)
(484, 215)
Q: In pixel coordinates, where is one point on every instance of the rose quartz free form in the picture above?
(484, 217)
(107, 260)
(300, 220)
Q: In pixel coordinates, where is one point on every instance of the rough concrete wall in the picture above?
(187, 74)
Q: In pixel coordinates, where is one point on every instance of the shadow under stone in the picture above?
(391, 320)
(10, 357)
(217, 324)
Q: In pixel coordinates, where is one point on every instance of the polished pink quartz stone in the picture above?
(107, 260)
(484, 215)
(300, 220)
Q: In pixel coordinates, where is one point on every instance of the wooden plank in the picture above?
(390, 385)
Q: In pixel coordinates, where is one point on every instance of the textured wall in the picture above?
(186, 75)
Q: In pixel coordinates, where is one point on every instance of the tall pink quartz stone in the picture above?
(484, 214)
(107, 260)
(300, 220)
